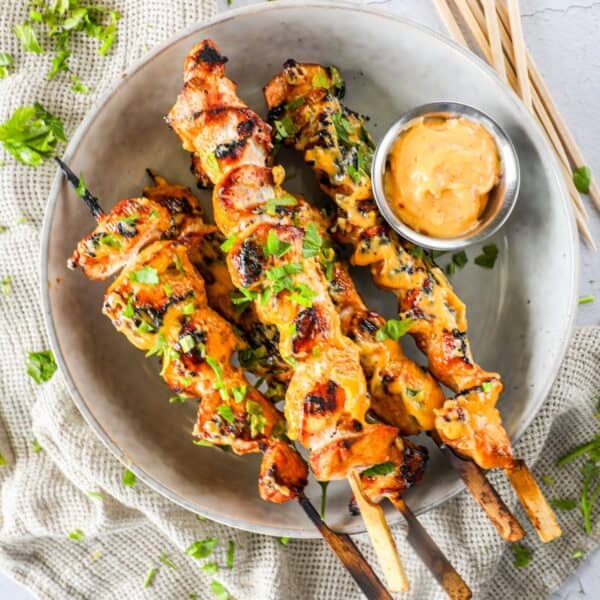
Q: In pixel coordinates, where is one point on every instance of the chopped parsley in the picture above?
(212, 164)
(284, 128)
(311, 246)
(159, 347)
(129, 479)
(343, 128)
(487, 259)
(272, 204)
(5, 283)
(548, 480)
(522, 555)
(284, 541)
(382, 469)
(147, 275)
(582, 178)
(201, 548)
(76, 535)
(219, 591)
(178, 399)
(577, 554)
(78, 86)
(239, 392)
(227, 245)
(230, 554)
(95, 495)
(226, 413)
(58, 21)
(393, 330)
(5, 62)
(188, 309)
(109, 239)
(36, 446)
(295, 103)
(41, 366)
(564, 503)
(587, 300)
(187, 343)
(210, 568)
(150, 577)
(460, 259)
(219, 385)
(320, 80)
(165, 560)
(256, 419)
(244, 299)
(31, 134)
(486, 386)
(274, 246)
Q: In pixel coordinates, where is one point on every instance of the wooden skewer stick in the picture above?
(538, 510)
(341, 544)
(574, 152)
(451, 24)
(516, 31)
(491, 19)
(475, 20)
(350, 556)
(522, 480)
(381, 537)
(484, 493)
(445, 574)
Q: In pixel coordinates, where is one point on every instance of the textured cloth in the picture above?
(45, 495)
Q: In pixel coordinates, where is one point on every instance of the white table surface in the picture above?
(564, 39)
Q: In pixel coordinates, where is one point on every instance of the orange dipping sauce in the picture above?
(439, 175)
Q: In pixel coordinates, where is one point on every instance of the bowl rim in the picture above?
(256, 9)
(510, 178)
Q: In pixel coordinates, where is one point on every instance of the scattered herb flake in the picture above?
(563, 503)
(323, 485)
(27, 37)
(36, 446)
(295, 103)
(275, 246)
(227, 245)
(219, 591)
(272, 204)
(76, 535)
(41, 366)
(522, 555)
(311, 246)
(230, 554)
(487, 259)
(210, 568)
(150, 577)
(178, 399)
(147, 275)
(460, 259)
(548, 480)
(129, 478)
(587, 299)
(382, 469)
(226, 413)
(201, 548)
(577, 554)
(5, 62)
(78, 86)
(284, 541)
(320, 80)
(96, 495)
(582, 178)
(393, 330)
(6, 283)
(167, 561)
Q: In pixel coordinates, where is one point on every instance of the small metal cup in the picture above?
(502, 198)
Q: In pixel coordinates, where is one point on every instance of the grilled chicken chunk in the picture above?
(306, 112)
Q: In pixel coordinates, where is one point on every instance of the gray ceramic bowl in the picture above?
(502, 198)
(514, 326)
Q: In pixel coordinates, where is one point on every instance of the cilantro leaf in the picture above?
(382, 469)
(275, 246)
(311, 246)
(219, 591)
(146, 274)
(225, 411)
(230, 554)
(150, 577)
(272, 204)
(129, 479)
(78, 86)
(5, 62)
(522, 555)
(582, 178)
(394, 330)
(487, 259)
(76, 535)
(41, 366)
(26, 35)
(201, 548)
(320, 80)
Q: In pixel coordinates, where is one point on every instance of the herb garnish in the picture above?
(230, 554)
(150, 577)
(274, 246)
(394, 329)
(129, 479)
(167, 561)
(563, 503)
(460, 259)
(487, 259)
(36, 446)
(486, 386)
(522, 555)
(313, 241)
(27, 37)
(272, 204)
(382, 469)
(219, 591)
(76, 535)
(284, 541)
(201, 548)
(110, 240)
(210, 568)
(239, 393)
(323, 485)
(5, 62)
(284, 128)
(587, 299)
(78, 86)
(227, 245)
(41, 365)
(178, 399)
(582, 178)
(255, 418)
(225, 411)
(6, 282)
(147, 275)
(31, 134)
(320, 80)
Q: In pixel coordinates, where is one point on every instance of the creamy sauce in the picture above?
(439, 175)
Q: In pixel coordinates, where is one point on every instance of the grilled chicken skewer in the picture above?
(375, 487)
(261, 427)
(306, 111)
(326, 400)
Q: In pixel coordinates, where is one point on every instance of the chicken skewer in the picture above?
(134, 223)
(307, 113)
(326, 400)
(375, 487)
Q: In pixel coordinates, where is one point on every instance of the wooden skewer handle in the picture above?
(349, 555)
(381, 537)
(484, 493)
(435, 560)
(536, 506)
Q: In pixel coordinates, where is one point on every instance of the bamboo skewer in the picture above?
(516, 32)
(522, 480)
(491, 19)
(475, 20)
(539, 85)
(381, 538)
(341, 544)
